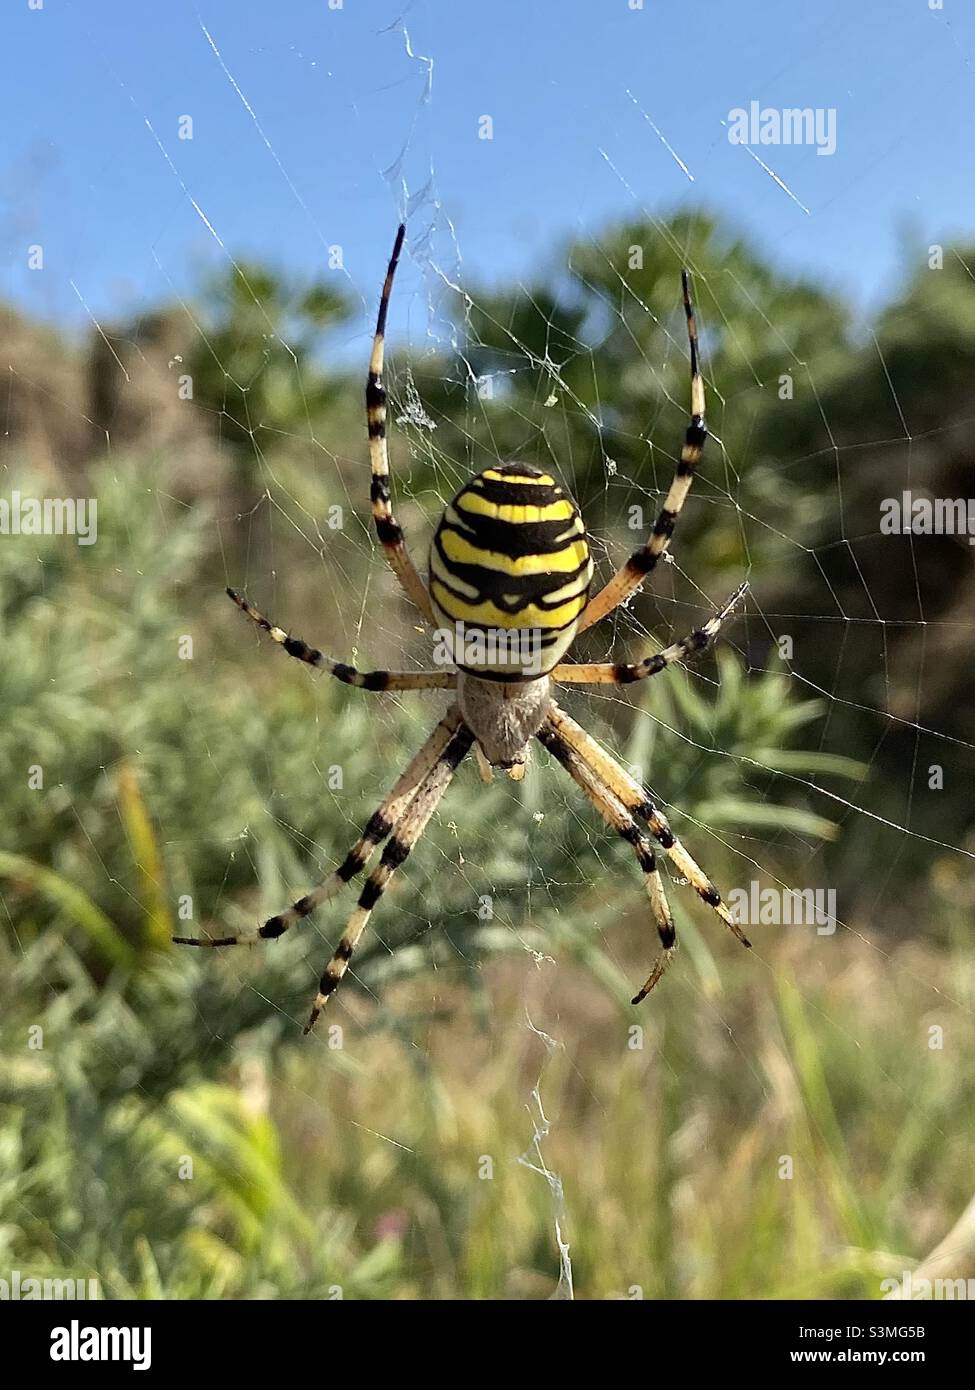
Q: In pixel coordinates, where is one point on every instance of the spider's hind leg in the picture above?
(388, 529)
(642, 562)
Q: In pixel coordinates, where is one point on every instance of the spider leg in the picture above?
(609, 673)
(364, 680)
(388, 529)
(636, 800)
(629, 578)
(484, 768)
(381, 823)
(618, 818)
(398, 848)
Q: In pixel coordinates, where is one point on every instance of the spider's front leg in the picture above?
(382, 823)
(638, 803)
(398, 848)
(619, 799)
(618, 818)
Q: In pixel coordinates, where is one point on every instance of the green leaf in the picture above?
(77, 906)
(736, 811)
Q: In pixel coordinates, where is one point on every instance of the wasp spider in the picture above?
(510, 559)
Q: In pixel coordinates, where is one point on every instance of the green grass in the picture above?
(166, 1130)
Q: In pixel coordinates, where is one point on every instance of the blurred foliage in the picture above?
(166, 1130)
(815, 419)
(257, 361)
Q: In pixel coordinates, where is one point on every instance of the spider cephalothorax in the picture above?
(510, 572)
(503, 717)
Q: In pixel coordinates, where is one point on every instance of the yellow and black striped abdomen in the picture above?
(510, 556)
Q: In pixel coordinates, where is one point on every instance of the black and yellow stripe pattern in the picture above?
(511, 554)
(341, 670)
(642, 562)
(388, 529)
(399, 846)
(618, 782)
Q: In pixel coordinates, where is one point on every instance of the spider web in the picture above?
(487, 362)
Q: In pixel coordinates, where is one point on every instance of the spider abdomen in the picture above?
(510, 571)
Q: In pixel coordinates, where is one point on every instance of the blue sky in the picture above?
(571, 85)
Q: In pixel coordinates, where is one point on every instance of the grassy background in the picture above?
(165, 1128)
